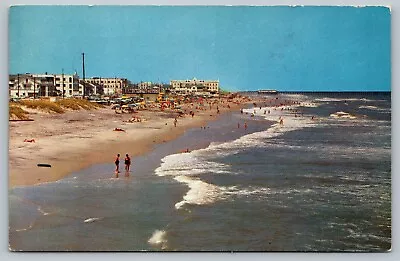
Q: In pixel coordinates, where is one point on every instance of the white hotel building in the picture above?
(110, 86)
(195, 86)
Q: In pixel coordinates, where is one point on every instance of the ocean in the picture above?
(321, 182)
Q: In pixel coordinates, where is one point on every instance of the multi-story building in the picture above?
(42, 85)
(90, 89)
(29, 85)
(144, 85)
(67, 85)
(110, 86)
(195, 86)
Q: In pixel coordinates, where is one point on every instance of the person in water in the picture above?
(127, 162)
(117, 163)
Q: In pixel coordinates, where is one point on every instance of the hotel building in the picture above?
(195, 86)
(110, 86)
(43, 85)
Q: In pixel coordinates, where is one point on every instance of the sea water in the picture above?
(319, 182)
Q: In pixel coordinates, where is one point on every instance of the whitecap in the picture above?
(342, 115)
(158, 238)
(24, 229)
(183, 167)
(90, 220)
(200, 192)
(329, 99)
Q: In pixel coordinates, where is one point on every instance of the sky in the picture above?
(244, 47)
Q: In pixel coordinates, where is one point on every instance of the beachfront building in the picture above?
(144, 85)
(91, 89)
(67, 85)
(42, 85)
(30, 85)
(195, 86)
(111, 86)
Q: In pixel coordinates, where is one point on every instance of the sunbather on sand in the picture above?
(119, 129)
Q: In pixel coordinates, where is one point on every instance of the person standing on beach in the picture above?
(117, 163)
(127, 162)
(175, 121)
(245, 125)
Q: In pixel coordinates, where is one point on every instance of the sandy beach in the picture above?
(78, 139)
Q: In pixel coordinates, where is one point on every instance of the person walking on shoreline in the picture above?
(117, 164)
(127, 162)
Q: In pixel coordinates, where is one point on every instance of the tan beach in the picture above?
(77, 139)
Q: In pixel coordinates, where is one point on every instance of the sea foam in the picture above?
(342, 115)
(158, 238)
(185, 167)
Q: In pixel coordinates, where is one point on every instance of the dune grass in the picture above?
(60, 105)
(16, 108)
(77, 104)
(43, 105)
(14, 111)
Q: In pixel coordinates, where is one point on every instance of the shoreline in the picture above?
(76, 147)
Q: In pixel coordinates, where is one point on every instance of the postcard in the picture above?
(200, 128)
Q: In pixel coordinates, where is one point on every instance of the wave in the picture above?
(184, 167)
(233, 190)
(374, 108)
(342, 115)
(187, 164)
(358, 235)
(200, 192)
(329, 99)
(91, 220)
(158, 238)
(39, 209)
(295, 96)
(310, 105)
(24, 229)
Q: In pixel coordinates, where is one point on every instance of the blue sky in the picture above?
(246, 48)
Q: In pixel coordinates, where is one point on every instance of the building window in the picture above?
(70, 79)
